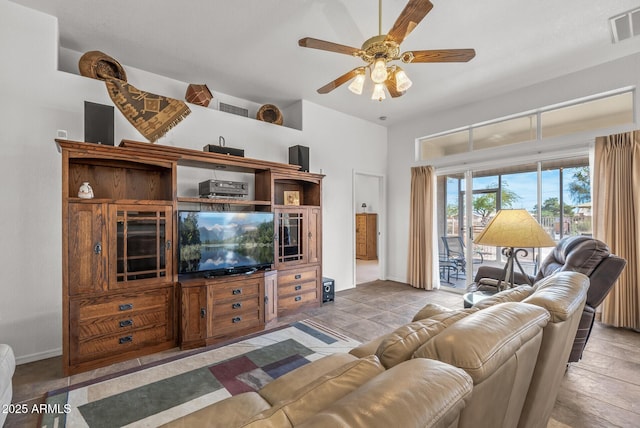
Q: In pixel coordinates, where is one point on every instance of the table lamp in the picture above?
(514, 230)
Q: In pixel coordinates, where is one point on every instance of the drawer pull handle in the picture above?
(236, 319)
(126, 323)
(298, 287)
(298, 276)
(203, 313)
(126, 339)
(298, 298)
(236, 291)
(236, 305)
(126, 307)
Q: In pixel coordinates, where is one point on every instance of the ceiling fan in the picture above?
(380, 51)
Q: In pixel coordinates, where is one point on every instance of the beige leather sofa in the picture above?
(7, 368)
(495, 365)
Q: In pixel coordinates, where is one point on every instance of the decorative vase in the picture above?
(85, 191)
(198, 94)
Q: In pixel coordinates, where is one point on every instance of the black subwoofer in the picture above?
(328, 290)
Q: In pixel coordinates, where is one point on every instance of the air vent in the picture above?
(625, 26)
(234, 110)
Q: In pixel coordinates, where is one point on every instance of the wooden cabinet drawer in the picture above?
(121, 324)
(230, 322)
(121, 305)
(119, 343)
(235, 306)
(298, 275)
(296, 288)
(294, 300)
(236, 289)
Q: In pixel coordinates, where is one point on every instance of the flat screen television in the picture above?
(218, 243)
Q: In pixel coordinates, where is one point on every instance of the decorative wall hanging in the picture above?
(198, 94)
(270, 113)
(152, 115)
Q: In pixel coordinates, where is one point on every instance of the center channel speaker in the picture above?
(328, 290)
(299, 155)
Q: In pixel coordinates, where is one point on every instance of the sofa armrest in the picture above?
(415, 393)
(232, 412)
(7, 369)
(497, 273)
(285, 387)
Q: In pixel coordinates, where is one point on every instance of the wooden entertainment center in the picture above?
(122, 296)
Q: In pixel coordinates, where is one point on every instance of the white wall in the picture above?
(36, 100)
(607, 77)
(367, 191)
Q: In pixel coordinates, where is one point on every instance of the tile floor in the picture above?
(602, 390)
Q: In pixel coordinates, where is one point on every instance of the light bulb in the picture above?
(357, 84)
(378, 92)
(402, 81)
(379, 72)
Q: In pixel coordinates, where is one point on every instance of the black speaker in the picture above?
(299, 155)
(328, 290)
(98, 123)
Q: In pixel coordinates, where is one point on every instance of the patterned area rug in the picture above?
(155, 395)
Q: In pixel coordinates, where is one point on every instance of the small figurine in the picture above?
(85, 191)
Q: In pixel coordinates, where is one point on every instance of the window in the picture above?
(445, 145)
(506, 132)
(587, 116)
(579, 116)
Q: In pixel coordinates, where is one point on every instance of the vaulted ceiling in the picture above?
(249, 49)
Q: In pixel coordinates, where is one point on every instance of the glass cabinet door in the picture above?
(143, 244)
(290, 227)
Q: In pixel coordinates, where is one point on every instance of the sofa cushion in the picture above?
(232, 412)
(319, 393)
(415, 393)
(429, 310)
(516, 294)
(284, 387)
(402, 343)
(483, 341)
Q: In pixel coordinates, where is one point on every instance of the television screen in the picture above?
(224, 241)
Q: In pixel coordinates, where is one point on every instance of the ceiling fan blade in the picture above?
(409, 18)
(323, 45)
(339, 81)
(439, 55)
(390, 83)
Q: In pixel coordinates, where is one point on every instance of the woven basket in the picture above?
(270, 113)
(95, 63)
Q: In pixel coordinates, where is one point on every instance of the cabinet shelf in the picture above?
(119, 201)
(223, 201)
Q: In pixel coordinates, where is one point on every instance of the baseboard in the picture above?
(23, 359)
(396, 279)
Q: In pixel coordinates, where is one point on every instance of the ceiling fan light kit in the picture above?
(379, 51)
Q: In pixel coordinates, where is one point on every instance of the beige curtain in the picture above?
(422, 266)
(616, 214)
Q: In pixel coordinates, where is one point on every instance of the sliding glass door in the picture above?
(556, 193)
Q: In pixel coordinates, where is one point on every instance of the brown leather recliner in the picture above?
(582, 254)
